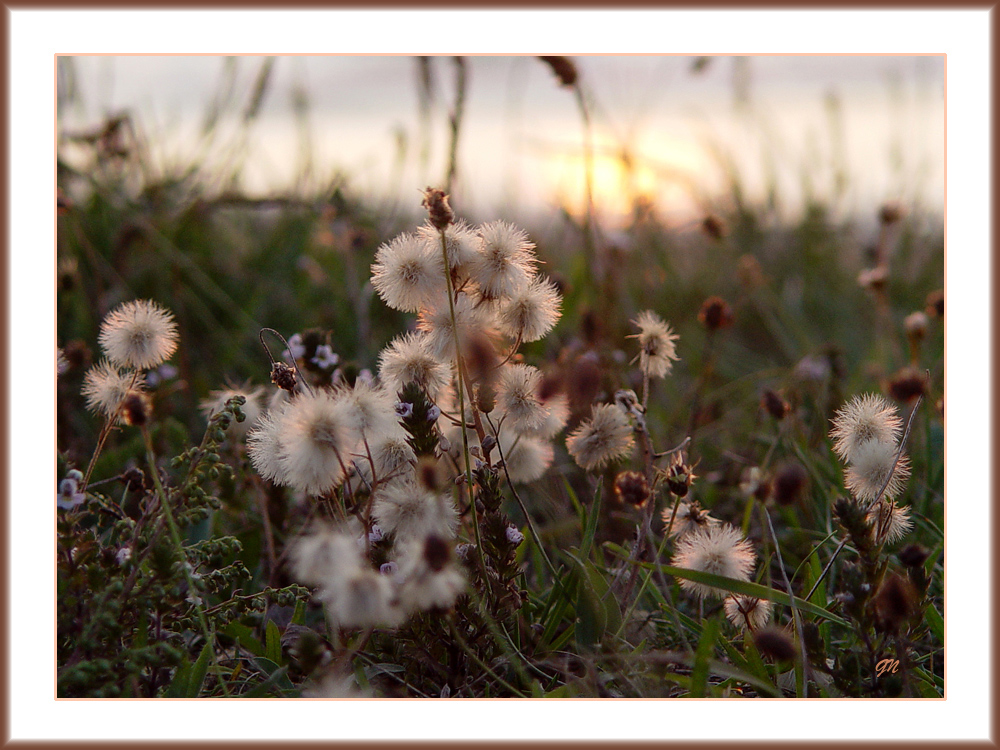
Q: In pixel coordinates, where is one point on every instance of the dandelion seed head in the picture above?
(528, 458)
(657, 345)
(406, 275)
(408, 511)
(471, 321)
(720, 550)
(747, 612)
(889, 522)
(428, 577)
(530, 313)
(105, 388)
(872, 467)
(461, 243)
(321, 556)
(867, 417)
(361, 598)
(264, 447)
(690, 517)
(517, 399)
(409, 359)
(372, 411)
(505, 263)
(603, 438)
(138, 334)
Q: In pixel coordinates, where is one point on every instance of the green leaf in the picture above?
(702, 657)
(935, 622)
(276, 679)
(178, 687)
(273, 648)
(299, 615)
(245, 637)
(199, 671)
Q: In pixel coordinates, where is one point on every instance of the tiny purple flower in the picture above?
(404, 410)
(295, 349)
(433, 413)
(514, 536)
(388, 569)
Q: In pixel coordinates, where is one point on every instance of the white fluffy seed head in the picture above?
(470, 321)
(747, 612)
(406, 274)
(138, 334)
(889, 522)
(867, 417)
(517, 399)
(372, 411)
(720, 550)
(461, 243)
(305, 443)
(873, 465)
(528, 458)
(505, 262)
(657, 345)
(105, 388)
(425, 583)
(409, 359)
(606, 436)
(530, 313)
(409, 511)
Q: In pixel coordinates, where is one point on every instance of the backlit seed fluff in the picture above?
(461, 243)
(689, 518)
(408, 511)
(306, 444)
(867, 417)
(138, 334)
(527, 458)
(372, 411)
(874, 466)
(319, 556)
(531, 313)
(657, 345)
(747, 612)
(105, 387)
(606, 436)
(428, 577)
(470, 321)
(505, 262)
(406, 274)
(889, 522)
(517, 399)
(720, 550)
(408, 359)
(251, 408)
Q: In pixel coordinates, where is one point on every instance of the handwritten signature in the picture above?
(886, 666)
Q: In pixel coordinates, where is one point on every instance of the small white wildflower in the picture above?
(138, 334)
(406, 274)
(325, 358)
(69, 495)
(296, 349)
(123, 555)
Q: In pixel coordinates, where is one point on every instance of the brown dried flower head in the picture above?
(715, 313)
